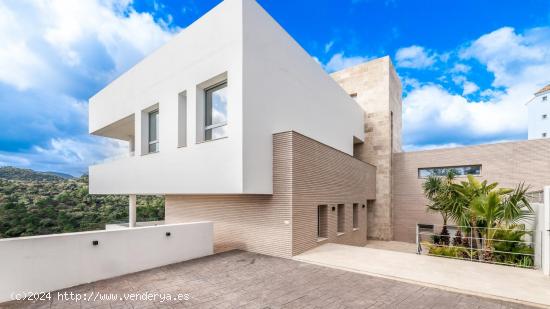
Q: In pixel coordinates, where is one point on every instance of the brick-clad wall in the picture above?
(306, 174)
(505, 163)
(322, 175)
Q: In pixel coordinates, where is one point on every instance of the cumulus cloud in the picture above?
(513, 57)
(434, 116)
(519, 62)
(414, 57)
(340, 61)
(70, 155)
(467, 86)
(55, 54)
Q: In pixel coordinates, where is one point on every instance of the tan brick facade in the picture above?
(306, 174)
(377, 90)
(505, 163)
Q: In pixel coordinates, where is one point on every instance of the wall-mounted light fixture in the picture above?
(333, 208)
(95, 242)
(168, 234)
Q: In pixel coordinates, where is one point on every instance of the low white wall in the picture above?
(52, 262)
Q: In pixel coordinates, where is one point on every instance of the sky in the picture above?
(467, 67)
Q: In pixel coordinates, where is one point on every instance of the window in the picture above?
(182, 119)
(215, 122)
(322, 221)
(544, 134)
(341, 214)
(545, 98)
(544, 116)
(442, 171)
(355, 216)
(153, 131)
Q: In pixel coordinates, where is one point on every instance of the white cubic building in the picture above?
(200, 112)
(539, 114)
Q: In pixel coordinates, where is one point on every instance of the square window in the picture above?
(215, 122)
(545, 98)
(544, 116)
(544, 134)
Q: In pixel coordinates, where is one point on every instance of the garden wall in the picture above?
(51, 262)
(506, 163)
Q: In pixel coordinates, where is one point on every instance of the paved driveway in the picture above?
(240, 279)
(502, 282)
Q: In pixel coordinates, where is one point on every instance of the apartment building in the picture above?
(234, 123)
(539, 114)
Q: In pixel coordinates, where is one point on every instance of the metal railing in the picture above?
(506, 246)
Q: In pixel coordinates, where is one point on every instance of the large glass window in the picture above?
(153, 131)
(442, 171)
(215, 124)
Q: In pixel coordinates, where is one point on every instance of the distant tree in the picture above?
(31, 206)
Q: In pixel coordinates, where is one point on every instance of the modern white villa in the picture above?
(234, 123)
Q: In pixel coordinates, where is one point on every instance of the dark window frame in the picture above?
(443, 170)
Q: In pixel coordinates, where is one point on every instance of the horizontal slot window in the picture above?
(462, 170)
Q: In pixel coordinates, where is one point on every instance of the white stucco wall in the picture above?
(209, 47)
(273, 86)
(52, 262)
(536, 108)
(286, 89)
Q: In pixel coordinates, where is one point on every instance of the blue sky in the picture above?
(467, 67)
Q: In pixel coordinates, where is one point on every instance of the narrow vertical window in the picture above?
(322, 221)
(341, 218)
(215, 112)
(182, 119)
(355, 216)
(153, 131)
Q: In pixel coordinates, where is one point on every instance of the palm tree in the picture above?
(485, 208)
(439, 191)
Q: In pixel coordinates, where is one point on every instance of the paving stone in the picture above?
(239, 279)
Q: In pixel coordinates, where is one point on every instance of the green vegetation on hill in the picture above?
(14, 173)
(38, 206)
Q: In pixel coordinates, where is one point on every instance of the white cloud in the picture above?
(460, 68)
(432, 116)
(55, 54)
(513, 58)
(34, 32)
(328, 46)
(414, 57)
(430, 146)
(520, 63)
(468, 87)
(340, 61)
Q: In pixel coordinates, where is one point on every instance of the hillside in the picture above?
(48, 204)
(14, 173)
